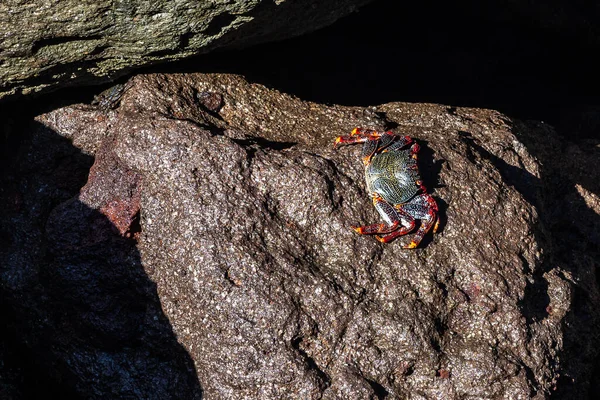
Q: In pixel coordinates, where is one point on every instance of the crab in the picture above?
(394, 183)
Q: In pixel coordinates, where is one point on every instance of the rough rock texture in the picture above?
(46, 44)
(81, 316)
(240, 210)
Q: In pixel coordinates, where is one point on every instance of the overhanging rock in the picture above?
(46, 44)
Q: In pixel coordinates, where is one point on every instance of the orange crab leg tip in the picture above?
(381, 239)
(411, 245)
(358, 229)
(354, 131)
(436, 226)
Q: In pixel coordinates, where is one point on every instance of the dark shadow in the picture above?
(442, 215)
(536, 300)
(429, 167)
(378, 389)
(570, 229)
(464, 53)
(517, 177)
(429, 170)
(467, 53)
(80, 316)
(263, 143)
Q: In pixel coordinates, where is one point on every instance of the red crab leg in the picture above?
(376, 228)
(360, 135)
(394, 235)
(402, 231)
(350, 139)
(401, 142)
(391, 216)
(414, 149)
(430, 219)
(423, 229)
(367, 132)
(374, 141)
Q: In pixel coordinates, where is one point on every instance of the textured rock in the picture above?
(243, 225)
(82, 320)
(47, 44)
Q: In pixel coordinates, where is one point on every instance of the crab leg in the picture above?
(356, 138)
(359, 135)
(362, 131)
(393, 218)
(376, 228)
(374, 141)
(401, 142)
(414, 150)
(394, 235)
(421, 207)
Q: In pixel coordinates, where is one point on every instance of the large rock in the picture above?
(240, 210)
(46, 44)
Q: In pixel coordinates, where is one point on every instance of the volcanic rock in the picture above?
(218, 209)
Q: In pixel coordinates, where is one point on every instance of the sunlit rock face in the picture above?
(209, 250)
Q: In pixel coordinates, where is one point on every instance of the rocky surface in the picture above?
(45, 44)
(210, 251)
